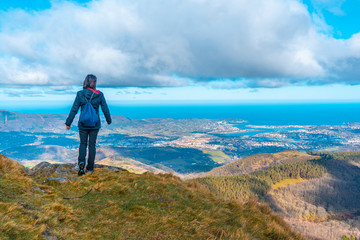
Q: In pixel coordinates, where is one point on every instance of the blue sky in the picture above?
(236, 50)
(33, 5)
(341, 16)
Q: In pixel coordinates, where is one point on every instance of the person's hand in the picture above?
(67, 127)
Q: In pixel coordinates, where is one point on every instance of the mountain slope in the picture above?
(258, 162)
(319, 197)
(326, 207)
(121, 205)
(257, 184)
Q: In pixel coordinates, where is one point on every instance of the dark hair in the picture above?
(90, 81)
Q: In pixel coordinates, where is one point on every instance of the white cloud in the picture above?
(260, 43)
(333, 6)
(22, 92)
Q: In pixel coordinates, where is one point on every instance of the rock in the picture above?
(37, 189)
(63, 170)
(47, 234)
(48, 169)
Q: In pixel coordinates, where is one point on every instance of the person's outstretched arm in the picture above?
(105, 109)
(73, 111)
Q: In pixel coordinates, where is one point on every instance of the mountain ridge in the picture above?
(258, 162)
(116, 204)
(317, 196)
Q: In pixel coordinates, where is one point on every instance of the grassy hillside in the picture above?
(259, 162)
(122, 205)
(218, 156)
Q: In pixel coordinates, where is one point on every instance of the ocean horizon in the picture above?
(254, 113)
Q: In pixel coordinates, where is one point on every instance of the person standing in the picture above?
(88, 134)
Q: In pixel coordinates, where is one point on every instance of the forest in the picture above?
(353, 156)
(257, 184)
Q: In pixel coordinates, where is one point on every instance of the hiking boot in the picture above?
(90, 171)
(81, 169)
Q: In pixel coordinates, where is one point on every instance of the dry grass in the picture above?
(286, 182)
(7, 166)
(123, 205)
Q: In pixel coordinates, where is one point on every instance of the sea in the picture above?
(276, 114)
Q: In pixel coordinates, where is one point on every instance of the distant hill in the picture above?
(32, 122)
(27, 122)
(352, 157)
(256, 185)
(258, 162)
(152, 127)
(116, 204)
(330, 203)
(319, 197)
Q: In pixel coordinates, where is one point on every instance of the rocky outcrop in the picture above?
(61, 170)
(61, 173)
(48, 169)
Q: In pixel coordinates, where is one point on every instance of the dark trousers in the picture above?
(85, 136)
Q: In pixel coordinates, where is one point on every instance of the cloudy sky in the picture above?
(193, 50)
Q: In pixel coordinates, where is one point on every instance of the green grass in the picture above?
(123, 205)
(217, 156)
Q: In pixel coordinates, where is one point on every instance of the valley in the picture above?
(32, 138)
(308, 174)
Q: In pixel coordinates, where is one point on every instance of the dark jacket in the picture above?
(97, 100)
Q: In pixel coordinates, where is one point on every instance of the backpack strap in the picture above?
(90, 97)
